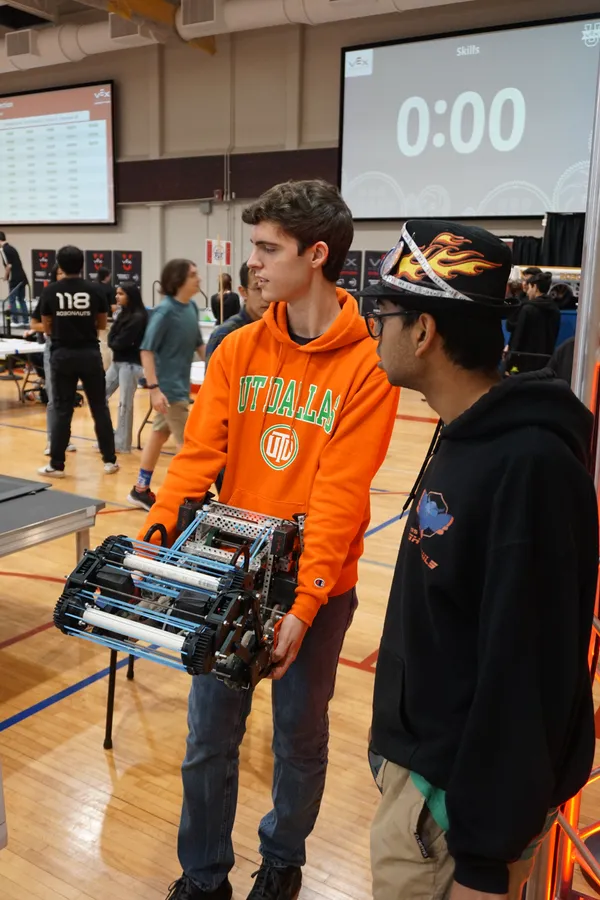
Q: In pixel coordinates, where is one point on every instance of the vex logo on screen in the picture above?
(102, 96)
(359, 62)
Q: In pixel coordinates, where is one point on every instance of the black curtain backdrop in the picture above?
(527, 251)
(563, 240)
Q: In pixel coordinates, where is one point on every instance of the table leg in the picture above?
(11, 376)
(130, 669)
(82, 542)
(110, 700)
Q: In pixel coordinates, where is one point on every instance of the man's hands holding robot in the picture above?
(289, 637)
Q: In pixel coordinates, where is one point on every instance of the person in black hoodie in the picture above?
(482, 713)
(124, 340)
(535, 328)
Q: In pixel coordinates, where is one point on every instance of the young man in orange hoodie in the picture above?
(296, 411)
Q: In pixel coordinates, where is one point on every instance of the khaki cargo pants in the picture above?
(407, 868)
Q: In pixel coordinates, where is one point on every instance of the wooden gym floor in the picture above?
(86, 824)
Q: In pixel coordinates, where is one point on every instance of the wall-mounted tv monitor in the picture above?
(57, 157)
(493, 123)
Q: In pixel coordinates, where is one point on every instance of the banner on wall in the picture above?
(372, 262)
(351, 275)
(218, 253)
(95, 260)
(127, 266)
(42, 262)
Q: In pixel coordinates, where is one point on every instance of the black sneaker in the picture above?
(185, 889)
(276, 883)
(142, 499)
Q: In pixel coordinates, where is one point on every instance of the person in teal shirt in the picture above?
(172, 338)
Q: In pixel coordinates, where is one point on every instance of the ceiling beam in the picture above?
(45, 9)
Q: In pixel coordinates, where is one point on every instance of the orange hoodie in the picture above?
(299, 429)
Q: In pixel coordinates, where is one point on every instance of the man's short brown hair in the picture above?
(309, 211)
(174, 276)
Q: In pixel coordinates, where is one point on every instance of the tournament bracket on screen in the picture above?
(56, 156)
(489, 124)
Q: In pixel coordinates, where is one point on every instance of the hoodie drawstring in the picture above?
(430, 453)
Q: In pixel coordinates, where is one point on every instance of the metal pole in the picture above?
(588, 315)
(543, 882)
(545, 867)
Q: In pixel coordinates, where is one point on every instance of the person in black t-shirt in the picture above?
(105, 286)
(14, 273)
(73, 311)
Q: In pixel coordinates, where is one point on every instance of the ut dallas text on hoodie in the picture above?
(298, 429)
(482, 685)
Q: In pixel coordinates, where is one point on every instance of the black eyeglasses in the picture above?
(375, 319)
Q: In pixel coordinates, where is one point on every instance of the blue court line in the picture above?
(376, 562)
(385, 524)
(91, 679)
(56, 698)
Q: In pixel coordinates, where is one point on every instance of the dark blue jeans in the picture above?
(18, 305)
(217, 723)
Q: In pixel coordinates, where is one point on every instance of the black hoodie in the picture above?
(536, 327)
(482, 682)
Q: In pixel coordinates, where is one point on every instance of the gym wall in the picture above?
(271, 90)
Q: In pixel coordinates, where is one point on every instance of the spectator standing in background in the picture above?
(167, 350)
(14, 273)
(254, 308)
(104, 282)
(528, 274)
(536, 328)
(231, 301)
(252, 311)
(124, 339)
(73, 312)
(56, 274)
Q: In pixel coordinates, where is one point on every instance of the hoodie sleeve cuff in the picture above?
(487, 876)
(305, 608)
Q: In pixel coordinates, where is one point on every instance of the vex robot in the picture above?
(209, 604)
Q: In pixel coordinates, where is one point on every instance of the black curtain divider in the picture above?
(563, 240)
(527, 251)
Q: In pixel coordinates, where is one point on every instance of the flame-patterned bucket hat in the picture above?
(438, 265)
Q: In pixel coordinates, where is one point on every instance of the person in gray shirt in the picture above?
(172, 338)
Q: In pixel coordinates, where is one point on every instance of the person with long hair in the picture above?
(125, 371)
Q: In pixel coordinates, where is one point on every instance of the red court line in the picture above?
(371, 659)
(365, 666)
(26, 634)
(33, 577)
(417, 419)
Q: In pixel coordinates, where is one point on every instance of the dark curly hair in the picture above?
(309, 211)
